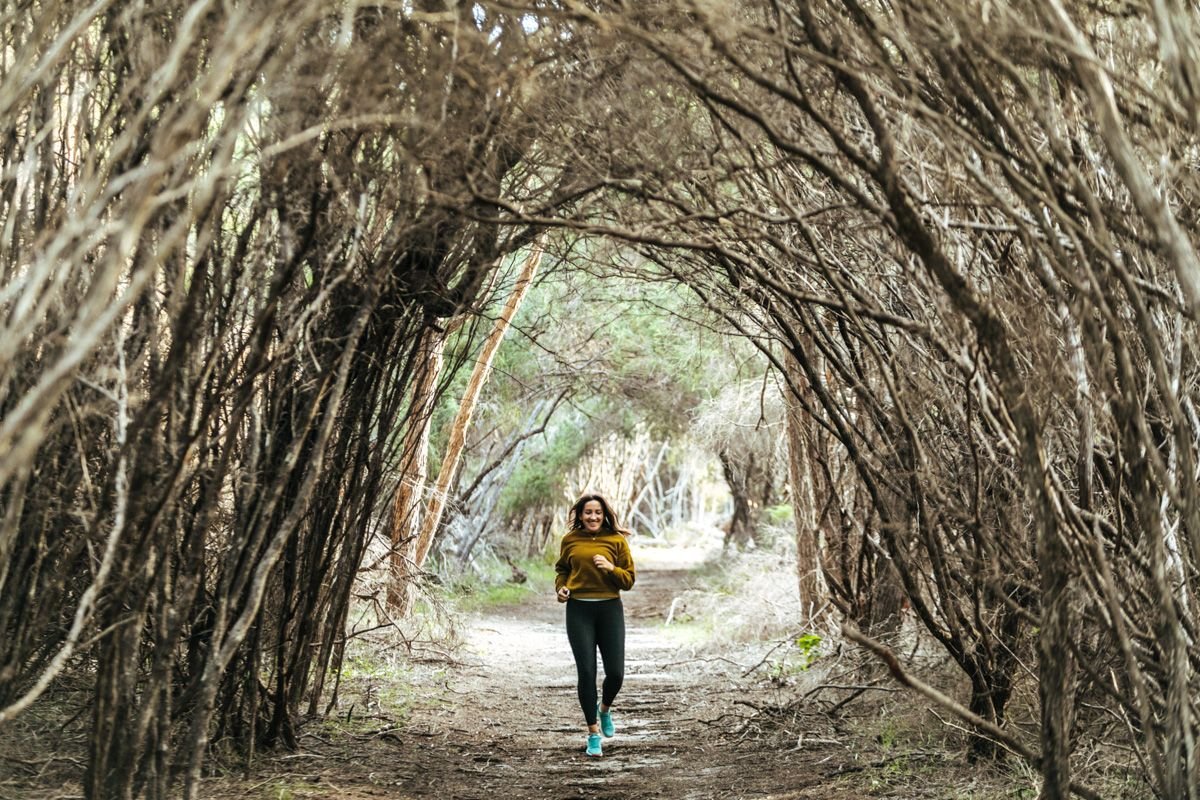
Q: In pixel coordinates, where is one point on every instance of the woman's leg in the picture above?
(610, 636)
(581, 633)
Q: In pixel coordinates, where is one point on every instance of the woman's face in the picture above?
(592, 515)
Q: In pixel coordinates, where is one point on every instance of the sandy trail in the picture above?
(504, 723)
(508, 724)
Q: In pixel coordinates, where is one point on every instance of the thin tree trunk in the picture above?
(742, 521)
(406, 518)
(804, 501)
(458, 430)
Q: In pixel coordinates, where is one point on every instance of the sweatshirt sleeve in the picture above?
(623, 572)
(562, 567)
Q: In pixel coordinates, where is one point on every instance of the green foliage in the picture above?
(809, 645)
(495, 595)
(779, 514)
(477, 593)
(889, 734)
(628, 354)
(370, 679)
(538, 479)
(797, 659)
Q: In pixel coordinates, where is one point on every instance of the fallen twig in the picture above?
(802, 740)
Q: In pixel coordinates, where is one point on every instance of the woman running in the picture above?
(594, 566)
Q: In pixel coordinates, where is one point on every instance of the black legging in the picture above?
(592, 624)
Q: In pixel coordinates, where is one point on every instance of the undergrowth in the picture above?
(494, 586)
(744, 597)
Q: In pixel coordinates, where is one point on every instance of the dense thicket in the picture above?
(963, 232)
(966, 234)
(226, 227)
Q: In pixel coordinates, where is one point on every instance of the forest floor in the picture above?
(502, 721)
(496, 716)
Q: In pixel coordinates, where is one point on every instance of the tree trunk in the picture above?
(741, 523)
(406, 517)
(804, 499)
(458, 429)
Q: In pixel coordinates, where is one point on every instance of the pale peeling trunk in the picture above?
(458, 430)
(804, 500)
(414, 474)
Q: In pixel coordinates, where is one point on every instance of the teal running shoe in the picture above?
(593, 745)
(606, 723)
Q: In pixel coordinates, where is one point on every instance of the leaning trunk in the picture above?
(458, 429)
(406, 518)
(804, 500)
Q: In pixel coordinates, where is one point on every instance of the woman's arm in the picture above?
(622, 572)
(562, 567)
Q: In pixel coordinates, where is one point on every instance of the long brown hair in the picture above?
(575, 516)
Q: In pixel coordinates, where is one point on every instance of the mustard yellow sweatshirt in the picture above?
(576, 570)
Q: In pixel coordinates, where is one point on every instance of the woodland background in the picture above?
(923, 272)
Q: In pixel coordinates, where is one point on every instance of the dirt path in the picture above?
(500, 720)
(521, 733)
(528, 739)
(506, 724)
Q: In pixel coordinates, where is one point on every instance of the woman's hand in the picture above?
(563, 594)
(603, 563)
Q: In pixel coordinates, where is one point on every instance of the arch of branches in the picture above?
(966, 236)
